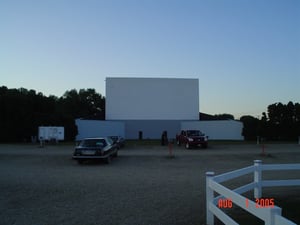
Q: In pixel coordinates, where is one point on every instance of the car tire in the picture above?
(187, 145)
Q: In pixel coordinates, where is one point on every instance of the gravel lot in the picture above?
(143, 186)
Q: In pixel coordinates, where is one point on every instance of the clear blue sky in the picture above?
(246, 53)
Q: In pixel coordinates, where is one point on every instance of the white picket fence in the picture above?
(270, 215)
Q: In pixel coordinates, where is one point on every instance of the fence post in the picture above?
(271, 217)
(257, 178)
(209, 198)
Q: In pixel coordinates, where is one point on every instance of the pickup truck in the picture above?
(192, 138)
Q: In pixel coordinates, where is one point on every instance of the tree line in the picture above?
(281, 122)
(22, 111)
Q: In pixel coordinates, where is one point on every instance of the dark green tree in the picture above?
(224, 116)
(86, 104)
(22, 111)
(281, 122)
(83, 104)
(250, 127)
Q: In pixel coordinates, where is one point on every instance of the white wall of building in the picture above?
(151, 129)
(152, 99)
(217, 129)
(98, 128)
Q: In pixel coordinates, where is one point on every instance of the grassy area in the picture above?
(230, 142)
(155, 142)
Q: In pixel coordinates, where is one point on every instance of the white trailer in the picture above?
(51, 133)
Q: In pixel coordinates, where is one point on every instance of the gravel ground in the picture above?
(143, 186)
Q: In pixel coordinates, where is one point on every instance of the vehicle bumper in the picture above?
(198, 143)
(89, 157)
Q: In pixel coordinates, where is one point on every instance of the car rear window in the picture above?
(93, 143)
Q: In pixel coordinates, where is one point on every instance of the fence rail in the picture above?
(270, 215)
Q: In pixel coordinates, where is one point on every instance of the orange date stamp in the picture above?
(264, 203)
(224, 203)
(259, 203)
